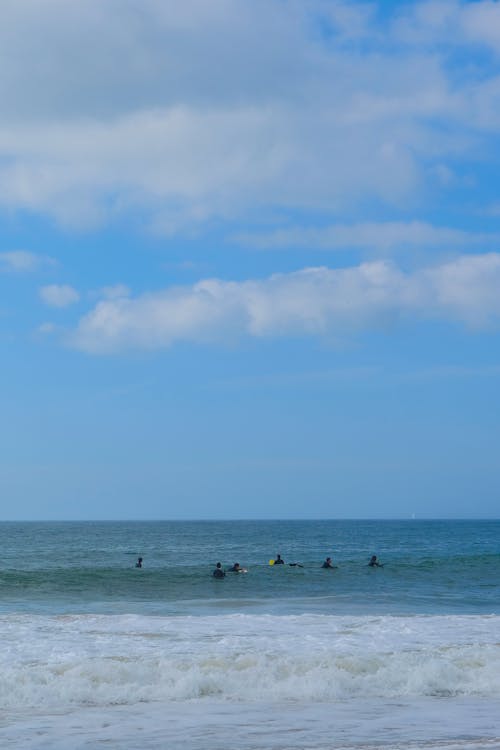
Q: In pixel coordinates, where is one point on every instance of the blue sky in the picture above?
(249, 259)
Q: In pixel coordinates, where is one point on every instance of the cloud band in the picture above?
(310, 302)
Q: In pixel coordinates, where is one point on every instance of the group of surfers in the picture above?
(219, 571)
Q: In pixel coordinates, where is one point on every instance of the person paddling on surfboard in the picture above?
(279, 561)
(328, 564)
(236, 568)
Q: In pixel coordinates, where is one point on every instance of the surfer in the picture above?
(279, 561)
(328, 564)
(374, 563)
(139, 562)
(218, 572)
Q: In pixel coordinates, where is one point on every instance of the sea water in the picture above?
(97, 653)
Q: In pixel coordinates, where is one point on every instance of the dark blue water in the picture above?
(430, 567)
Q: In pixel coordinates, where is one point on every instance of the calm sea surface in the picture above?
(96, 652)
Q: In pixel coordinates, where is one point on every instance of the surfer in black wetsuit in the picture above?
(279, 561)
(328, 564)
(374, 563)
(236, 568)
(139, 562)
(218, 572)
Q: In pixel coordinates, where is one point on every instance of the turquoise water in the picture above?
(430, 567)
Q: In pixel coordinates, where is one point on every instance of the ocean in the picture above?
(98, 653)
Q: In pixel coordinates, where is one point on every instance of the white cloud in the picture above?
(22, 261)
(468, 289)
(58, 295)
(223, 108)
(349, 20)
(187, 165)
(428, 22)
(385, 236)
(168, 52)
(480, 22)
(311, 302)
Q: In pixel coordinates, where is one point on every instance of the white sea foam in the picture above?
(64, 662)
(249, 682)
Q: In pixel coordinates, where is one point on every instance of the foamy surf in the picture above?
(290, 680)
(62, 662)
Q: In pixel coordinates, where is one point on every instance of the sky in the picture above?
(249, 259)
